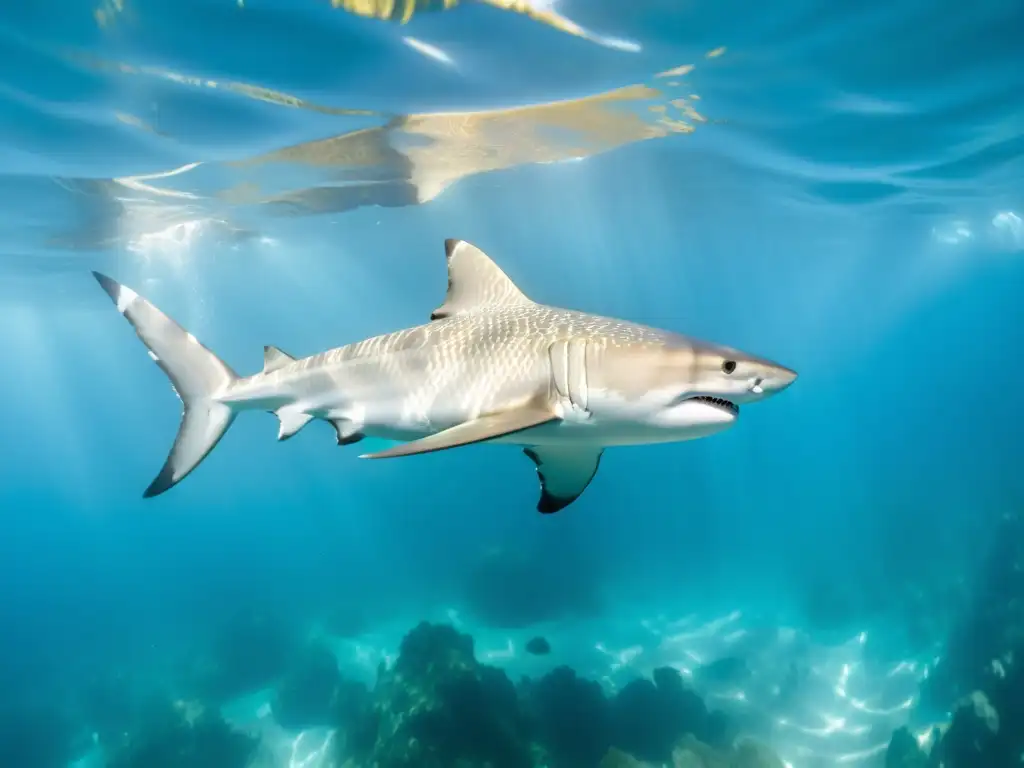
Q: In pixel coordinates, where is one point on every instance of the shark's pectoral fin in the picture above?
(475, 282)
(564, 473)
(274, 358)
(478, 430)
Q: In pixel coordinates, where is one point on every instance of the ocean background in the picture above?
(838, 186)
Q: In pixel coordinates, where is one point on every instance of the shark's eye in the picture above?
(729, 366)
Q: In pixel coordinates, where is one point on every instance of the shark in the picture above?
(490, 366)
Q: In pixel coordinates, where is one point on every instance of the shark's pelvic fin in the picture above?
(478, 430)
(197, 375)
(274, 358)
(292, 420)
(348, 431)
(475, 282)
(565, 472)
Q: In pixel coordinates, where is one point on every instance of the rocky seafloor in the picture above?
(442, 702)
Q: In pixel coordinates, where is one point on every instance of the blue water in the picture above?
(848, 201)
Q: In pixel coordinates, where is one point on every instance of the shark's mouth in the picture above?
(720, 402)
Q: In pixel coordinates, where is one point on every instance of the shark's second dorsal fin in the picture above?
(475, 282)
(274, 358)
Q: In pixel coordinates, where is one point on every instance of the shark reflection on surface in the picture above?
(414, 158)
(388, 160)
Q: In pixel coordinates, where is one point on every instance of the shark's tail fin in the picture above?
(197, 375)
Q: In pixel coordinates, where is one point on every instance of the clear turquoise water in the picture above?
(851, 205)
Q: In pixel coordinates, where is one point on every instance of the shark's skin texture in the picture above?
(490, 366)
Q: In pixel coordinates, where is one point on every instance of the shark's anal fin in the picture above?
(347, 431)
(478, 430)
(274, 358)
(564, 473)
(292, 420)
(475, 282)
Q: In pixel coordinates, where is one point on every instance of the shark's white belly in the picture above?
(394, 421)
(596, 433)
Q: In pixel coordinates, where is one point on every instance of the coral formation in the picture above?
(569, 716)
(981, 673)
(744, 753)
(650, 716)
(178, 734)
(307, 694)
(439, 707)
(692, 753)
(904, 751)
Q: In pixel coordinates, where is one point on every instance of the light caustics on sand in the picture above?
(807, 691)
(396, 161)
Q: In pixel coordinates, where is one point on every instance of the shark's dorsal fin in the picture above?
(274, 358)
(564, 472)
(474, 431)
(475, 282)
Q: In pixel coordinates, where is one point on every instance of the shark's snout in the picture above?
(772, 381)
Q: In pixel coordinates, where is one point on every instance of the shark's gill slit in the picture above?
(559, 356)
(578, 373)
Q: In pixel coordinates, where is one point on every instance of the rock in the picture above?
(438, 707)
(616, 758)
(650, 716)
(538, 646)
(687, 758)
(983, 656)
(174, 735)
(720, 731)
(751, 753)
(569, 718)
(306, 695)
(970, 740)
(351, 702)
(904, 751)
(690, 752)
(990, 628)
